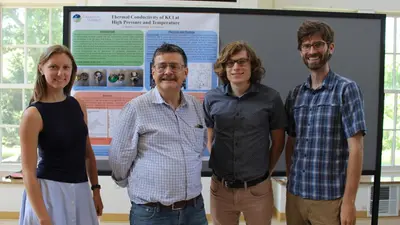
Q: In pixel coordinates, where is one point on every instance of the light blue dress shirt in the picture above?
(156, 150)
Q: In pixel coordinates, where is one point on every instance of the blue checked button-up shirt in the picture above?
(321, 120)
(156, 151)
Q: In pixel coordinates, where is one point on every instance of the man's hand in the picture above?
(348, 214)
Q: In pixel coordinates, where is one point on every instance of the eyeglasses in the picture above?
(317, 45)
(161, 67)
(240, 62)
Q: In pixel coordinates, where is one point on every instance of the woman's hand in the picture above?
(45, 221)
(98, 204)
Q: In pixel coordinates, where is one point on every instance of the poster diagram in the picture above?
(114, 52)
(198, 78)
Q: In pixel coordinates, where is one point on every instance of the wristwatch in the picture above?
(96, 186)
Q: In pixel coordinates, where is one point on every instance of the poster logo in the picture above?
(76, 18)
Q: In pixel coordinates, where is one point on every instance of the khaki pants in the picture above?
(301, 211)
(256, 203)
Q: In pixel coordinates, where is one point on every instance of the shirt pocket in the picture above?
(300, 114)
(329, 114)
(256, 119)
(225, 122)
(323, 113)
(198, 139)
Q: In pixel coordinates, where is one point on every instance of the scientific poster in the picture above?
(114, 50)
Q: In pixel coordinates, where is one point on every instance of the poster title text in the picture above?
(145, 20)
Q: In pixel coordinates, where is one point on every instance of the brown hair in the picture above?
(40, 88)
(257, 70)
(311, 27)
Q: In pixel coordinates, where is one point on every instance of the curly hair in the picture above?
(257, 70)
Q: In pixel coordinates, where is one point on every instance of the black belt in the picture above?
(177, 205)
(240, 183)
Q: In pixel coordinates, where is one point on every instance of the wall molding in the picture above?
(9, 215)
(281, 216)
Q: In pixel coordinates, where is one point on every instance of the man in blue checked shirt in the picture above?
(157, 145)
(326, 126)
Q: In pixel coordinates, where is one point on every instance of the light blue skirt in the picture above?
(66, 203)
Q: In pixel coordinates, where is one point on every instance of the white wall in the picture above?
(42, 2)
(362, 198)
(350, 5)
(381, 5)
(115, 199)
(240, 4)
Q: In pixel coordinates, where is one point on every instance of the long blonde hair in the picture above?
(40, 88)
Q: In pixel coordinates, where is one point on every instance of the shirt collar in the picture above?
(254, 88)
(327, 83)
(157, 99)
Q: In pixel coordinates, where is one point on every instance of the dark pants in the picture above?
(156, 215)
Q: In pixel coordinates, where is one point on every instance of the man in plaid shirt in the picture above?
(326, 126)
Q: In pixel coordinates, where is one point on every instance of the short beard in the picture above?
(323, 60)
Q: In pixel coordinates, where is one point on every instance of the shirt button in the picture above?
(304, 171)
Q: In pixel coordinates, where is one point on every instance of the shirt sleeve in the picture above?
(290, 126)
(278, 118)
(123, 147)
(207, 110)
(353, 116)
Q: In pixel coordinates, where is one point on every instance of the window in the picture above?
(391, 120)
(24, 33)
